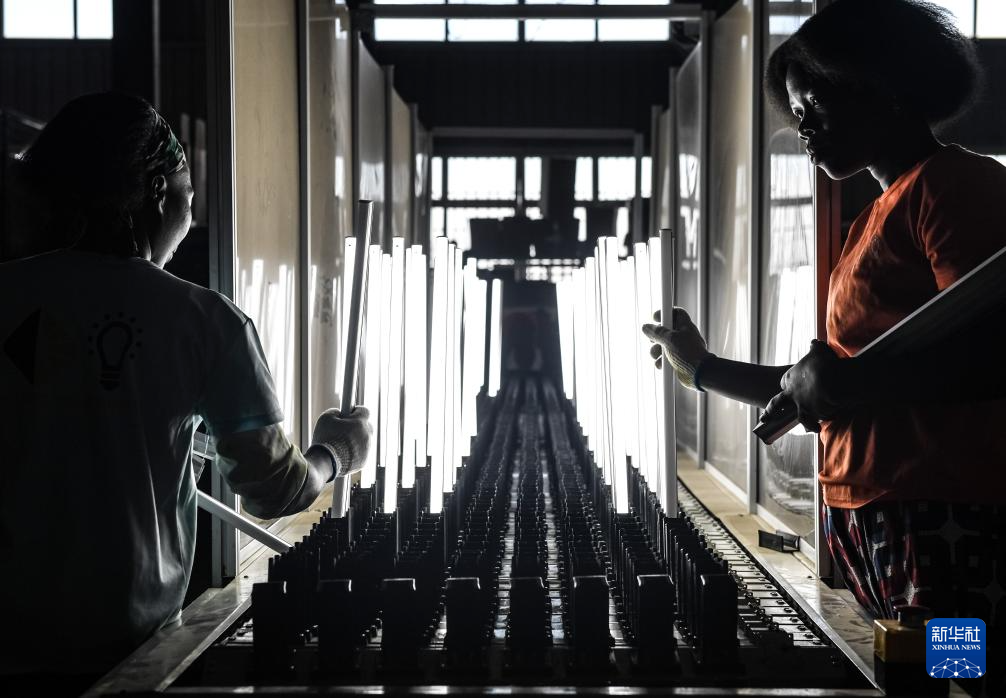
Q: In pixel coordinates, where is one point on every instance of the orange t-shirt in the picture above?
(935, 223)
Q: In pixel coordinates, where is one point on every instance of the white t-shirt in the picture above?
(106, 367)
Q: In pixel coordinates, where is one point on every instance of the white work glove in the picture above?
(683, 346)
(346, 439)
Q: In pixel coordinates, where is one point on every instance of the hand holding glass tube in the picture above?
(682, 344)
(346, 438)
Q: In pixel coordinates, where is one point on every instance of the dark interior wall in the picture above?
(983, 127)
(183, 59)
(38, 76)
(578, 85)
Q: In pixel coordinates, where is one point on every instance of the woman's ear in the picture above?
(159, 191)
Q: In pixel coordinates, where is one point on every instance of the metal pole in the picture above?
(228, 515)
(364, 218)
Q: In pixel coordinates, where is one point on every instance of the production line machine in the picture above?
(524, 535)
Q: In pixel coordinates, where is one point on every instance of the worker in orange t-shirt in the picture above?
(913, 479)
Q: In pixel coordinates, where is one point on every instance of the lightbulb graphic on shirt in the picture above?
(114, 341)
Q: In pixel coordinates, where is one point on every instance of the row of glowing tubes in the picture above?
(423, 405)
(608, 372)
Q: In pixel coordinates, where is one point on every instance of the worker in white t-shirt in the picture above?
(108, 364)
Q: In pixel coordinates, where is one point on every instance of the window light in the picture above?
(560, 30)
(633, 30)
(584, 183)
(991, 21)
(411, 29)
(646, 177)
(616, 178)
(94, 19)
(481, 178)
(482, 30)
(532, 179)
(437, 178)
(38, 19)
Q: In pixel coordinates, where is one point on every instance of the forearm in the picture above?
(272, 475)
(753, 384)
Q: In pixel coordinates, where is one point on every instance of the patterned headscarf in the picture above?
(167, 156)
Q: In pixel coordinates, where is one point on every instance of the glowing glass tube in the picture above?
(438, 374)
(394, 414)
(482, 299)
(628, 409)
(471, 379)
(460, 435)
(603, 393)
(384, 435)
(419, 353)
(372, 355)
(450, 357)
(666, 252)
(414, 427)
(564, 310)
(408, 409)
(593, 406)
(495, 331)
(656, 289)
(616, 410)
(575, 296)
(647, 375)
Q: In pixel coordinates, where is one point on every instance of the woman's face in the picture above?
(843, 131)
(175, 218)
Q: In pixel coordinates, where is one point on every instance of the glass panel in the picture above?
(729, 230)
(646, 177)
(560, 30)
(533, 212)
(38, 19)
(583, 186)
(633, 30)
(482, 30)
(664, 198)
(689, 132)
(414, 29)
(267, 159)
(400, 172)
(331, 208)
(786, 468)
(964, 13)
(458, 229)
(532, 179)
(437, 178)
(616, 178)
(94, 19)
(991, 22)
(481, 178)
(371, 110)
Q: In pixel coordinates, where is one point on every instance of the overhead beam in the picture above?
(683, 12)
